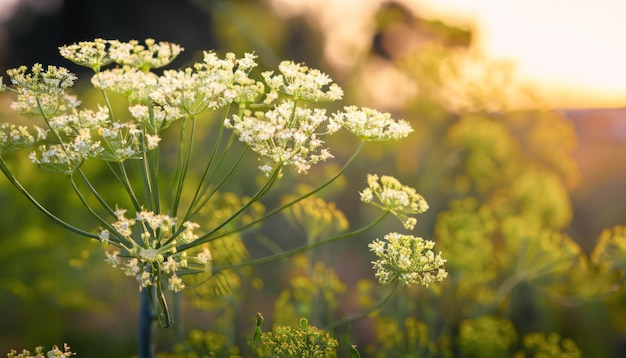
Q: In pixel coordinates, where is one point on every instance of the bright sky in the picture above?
(574, 51)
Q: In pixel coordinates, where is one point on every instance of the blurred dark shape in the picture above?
(256, 29)
(400, 32)
(33, 35)
(598, 200)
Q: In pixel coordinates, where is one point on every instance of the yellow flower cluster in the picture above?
(302, 341)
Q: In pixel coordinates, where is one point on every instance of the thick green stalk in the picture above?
(145, 346)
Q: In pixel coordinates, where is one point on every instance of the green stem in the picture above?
(151, 167)
(305, 247)
(18, 185)
(202, 187)
(160, 307)
(116, 237)
(300, 198)
(199, 198)
(84, 201)
(207, 237)
(106, 97)
(128, 186)
(199, 205)
(144, 168)
(507, 286)
(95, 193)
(367, 312)
(182, 164)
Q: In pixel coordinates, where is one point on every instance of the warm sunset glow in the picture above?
(573, 51)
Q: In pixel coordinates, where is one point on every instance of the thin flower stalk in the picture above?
(301, 197)
(380, 304)
(7, 172)
(306, 247)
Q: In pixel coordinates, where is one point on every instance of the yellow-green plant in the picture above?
(503, 178)
(40, 352)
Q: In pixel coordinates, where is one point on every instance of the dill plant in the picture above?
(150, 229)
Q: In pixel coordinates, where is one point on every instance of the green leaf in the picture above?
(257, 330)
(304, 324)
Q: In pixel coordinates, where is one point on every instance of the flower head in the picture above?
(486, 336)
(42, 91)
(127, 81)
(212, 83)
(541, 344)
(14, 137)
(144, 57)
(389, 194)
(288, 135)
(151, 243)
(301, 82)
(40, 352)
(302, 341)
(370, 125)
(93, 54)
(317, 218)
(407, 258)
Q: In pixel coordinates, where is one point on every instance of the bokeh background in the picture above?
(562, 58)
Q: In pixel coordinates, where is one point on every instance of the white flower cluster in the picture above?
(93, 54)
(127, 81)
(370, 125)
(407, 258)
(176, 94)
(301, 83)
(99, 53)
(83, 134)
(290, 132)
(40, 352)
(389, 194)
(152, 55)
(151, 242)
(14, 137)
(210, 84)
(287, 134)
(42, 92)
(155, 101)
